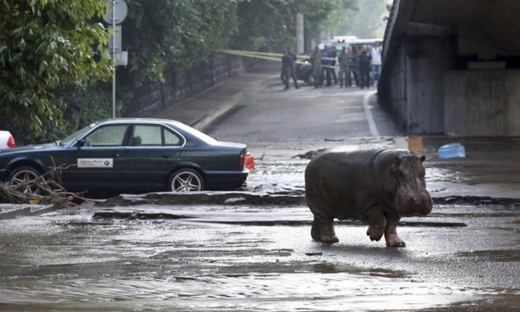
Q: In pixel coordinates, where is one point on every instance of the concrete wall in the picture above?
(178, 87)
(392, 89)
(428, 59)
(482, 103)
(413, 91)
(442, 39)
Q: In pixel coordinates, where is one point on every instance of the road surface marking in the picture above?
(368, 114)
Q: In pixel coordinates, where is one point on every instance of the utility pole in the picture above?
(119, 57)
(114, 60)
(300, 38)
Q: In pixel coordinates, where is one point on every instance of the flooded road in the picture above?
(225, 258)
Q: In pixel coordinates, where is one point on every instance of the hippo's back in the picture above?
(336, 180)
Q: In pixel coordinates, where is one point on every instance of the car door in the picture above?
(152, 152)
(97, 158)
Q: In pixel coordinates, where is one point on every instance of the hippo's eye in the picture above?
(399, 174)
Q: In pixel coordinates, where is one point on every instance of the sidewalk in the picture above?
(207, 107)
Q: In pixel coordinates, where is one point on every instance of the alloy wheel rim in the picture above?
(22, 177)
(186, 182)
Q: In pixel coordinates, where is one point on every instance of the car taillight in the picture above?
(242, 160)
(10, 142)
(250, 161)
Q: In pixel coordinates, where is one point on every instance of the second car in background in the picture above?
(6, 139)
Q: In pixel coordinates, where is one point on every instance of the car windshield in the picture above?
(78, 133)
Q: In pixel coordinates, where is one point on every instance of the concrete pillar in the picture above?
(300, 39)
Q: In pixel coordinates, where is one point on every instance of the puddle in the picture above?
(493, 255)
(328, 291)
(73, 262)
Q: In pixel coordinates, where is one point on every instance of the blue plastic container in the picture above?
(452, 150)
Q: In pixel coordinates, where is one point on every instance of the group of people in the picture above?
(359, 65)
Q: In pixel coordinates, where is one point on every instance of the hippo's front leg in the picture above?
(377, 223)
(323, 230)
(391, 237)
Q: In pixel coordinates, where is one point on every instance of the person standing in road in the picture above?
(333, 69)
(292, 73)
(354, 65)
(316, 67)
(375, 52)
(364, 68)
(327, 63)
(344, 68)
(286, 69)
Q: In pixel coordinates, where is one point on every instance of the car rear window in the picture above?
(147, 135)
(196, 133)
(154, 135)
(171, 139)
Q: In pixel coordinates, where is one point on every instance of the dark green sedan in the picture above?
(132, 155)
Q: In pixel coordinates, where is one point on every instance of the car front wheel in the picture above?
(186, 180)
(23, 175)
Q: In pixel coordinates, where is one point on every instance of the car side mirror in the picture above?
(80, 143)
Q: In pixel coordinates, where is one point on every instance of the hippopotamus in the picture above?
(377, 186)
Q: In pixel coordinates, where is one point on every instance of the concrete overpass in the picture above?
(452, 67)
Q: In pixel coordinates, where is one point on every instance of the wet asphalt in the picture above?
(240, 257)
(223, 258)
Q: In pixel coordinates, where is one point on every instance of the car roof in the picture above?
(139, 120)
(188, 130)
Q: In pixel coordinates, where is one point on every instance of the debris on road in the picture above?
(314, 253)
(311, 154)
(452, 150)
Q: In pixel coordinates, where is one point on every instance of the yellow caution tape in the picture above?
(277, 57)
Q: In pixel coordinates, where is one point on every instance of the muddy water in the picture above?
(75, 262)
(277, 175)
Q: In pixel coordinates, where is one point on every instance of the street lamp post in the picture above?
(119, 57)
(114, 59)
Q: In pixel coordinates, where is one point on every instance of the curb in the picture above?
(208, 119)
(26, 211)
(259, 199)
(204, 198)
(220, 111)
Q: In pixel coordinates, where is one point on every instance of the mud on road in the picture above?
(206, 259)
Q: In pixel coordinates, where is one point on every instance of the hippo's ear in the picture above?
(396, 163)
(423, 158)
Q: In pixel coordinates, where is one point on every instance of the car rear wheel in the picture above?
(23, 175)
(186, 180)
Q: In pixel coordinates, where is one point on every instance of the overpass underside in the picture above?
(452, 67)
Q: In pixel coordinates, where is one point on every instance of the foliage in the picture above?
(46, 45)
(365, 21)
(269, 25)
(50, 50)
(162, 35)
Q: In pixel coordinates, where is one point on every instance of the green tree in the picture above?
(165, 36)
(269, 25)
(364, 21)
(45, 46)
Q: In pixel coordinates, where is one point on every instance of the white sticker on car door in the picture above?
(95, 163)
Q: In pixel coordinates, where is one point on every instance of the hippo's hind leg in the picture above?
(377, 223)
(323, 230)
(391, 237)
